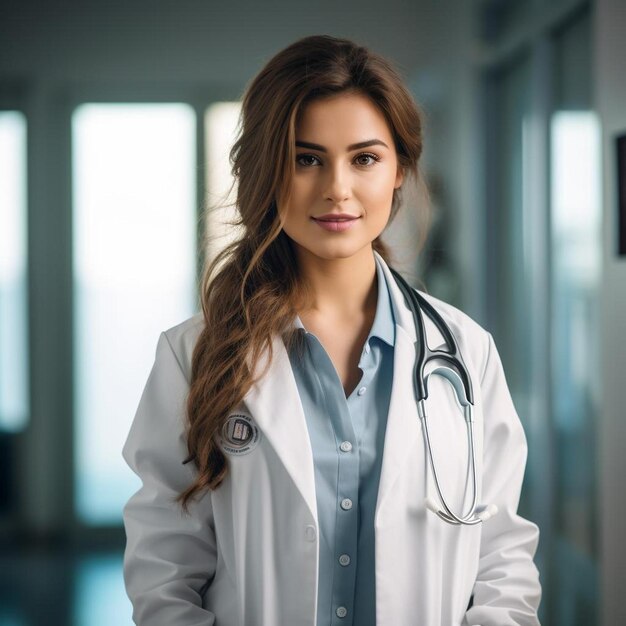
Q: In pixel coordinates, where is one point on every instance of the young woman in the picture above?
(287, 476)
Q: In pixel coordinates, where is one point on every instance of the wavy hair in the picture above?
(250, 291)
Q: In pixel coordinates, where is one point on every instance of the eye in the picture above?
(367, 155)
(303, 159)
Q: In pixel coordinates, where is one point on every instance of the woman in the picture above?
(285, 475)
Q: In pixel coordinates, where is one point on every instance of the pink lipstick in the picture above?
(336, 222)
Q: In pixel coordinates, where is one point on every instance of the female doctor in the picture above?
(286, 475)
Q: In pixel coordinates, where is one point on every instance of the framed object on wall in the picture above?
(620, 143)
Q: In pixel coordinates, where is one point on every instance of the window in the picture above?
(13, 273)
(576, 256)
(134, 244)
(221, 126)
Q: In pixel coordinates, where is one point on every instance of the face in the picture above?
(345, 173)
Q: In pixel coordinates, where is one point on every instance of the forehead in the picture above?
(340, 116)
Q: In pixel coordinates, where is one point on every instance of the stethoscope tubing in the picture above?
(447, 514)
(458, 376)
(417, 303)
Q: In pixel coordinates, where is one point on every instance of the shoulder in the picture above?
(182, 339)
(473, 339)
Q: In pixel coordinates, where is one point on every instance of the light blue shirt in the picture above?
(347, 437)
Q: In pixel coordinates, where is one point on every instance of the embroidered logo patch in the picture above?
(240, 435)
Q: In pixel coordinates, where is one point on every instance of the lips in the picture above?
(336, 217)
(336, 222)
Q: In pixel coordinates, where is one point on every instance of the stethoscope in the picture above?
(458, 377)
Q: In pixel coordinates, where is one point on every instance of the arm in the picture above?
(169, 556)
(507, 590)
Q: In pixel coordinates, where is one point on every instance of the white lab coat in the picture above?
(248, 553)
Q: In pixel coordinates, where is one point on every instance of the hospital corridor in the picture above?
(117, 187)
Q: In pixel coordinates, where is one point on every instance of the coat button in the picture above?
(346, 504)
(341, 611)
(346, 446)
(310, 533)
(344, 559)
(361, 391)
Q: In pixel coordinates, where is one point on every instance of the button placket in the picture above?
(347, 427)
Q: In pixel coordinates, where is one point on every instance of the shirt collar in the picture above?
(384, 326)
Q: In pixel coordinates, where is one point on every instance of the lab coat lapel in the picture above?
(275, 405)
(403, 424)
(402, 420)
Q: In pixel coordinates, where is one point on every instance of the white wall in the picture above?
(197, 40)
(610, 96)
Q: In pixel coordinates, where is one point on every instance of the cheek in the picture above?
(302, 196)
(377, 195)
(290, 209)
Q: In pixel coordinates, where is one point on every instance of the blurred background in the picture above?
(115, 123)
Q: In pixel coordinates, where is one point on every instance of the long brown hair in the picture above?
(250, 291)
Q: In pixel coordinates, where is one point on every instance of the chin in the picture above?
(343, 250)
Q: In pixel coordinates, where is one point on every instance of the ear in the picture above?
(399, 177)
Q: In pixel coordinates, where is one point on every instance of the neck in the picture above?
(341, 288)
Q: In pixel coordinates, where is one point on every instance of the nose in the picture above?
(337, 187)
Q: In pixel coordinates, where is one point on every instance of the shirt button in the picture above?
(341, 611)
(346, 504)
(361, 391)
(346, 446)
(344, 559)
(310, 533)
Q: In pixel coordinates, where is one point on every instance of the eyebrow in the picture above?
(354, 146)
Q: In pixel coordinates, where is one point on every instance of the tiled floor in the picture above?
(53, 588)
